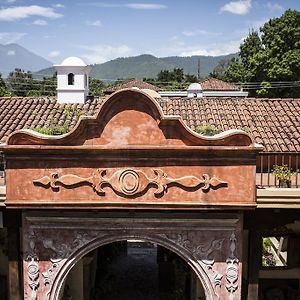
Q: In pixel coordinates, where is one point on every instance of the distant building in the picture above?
(210, 87)
(72, 80)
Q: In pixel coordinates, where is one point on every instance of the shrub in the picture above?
(284, 175)
(208, 130)
(55, 130)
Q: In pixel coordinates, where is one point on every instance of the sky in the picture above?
(100, 31)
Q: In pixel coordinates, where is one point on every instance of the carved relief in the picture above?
(232, 270)
(33, 269)
(51, 250)
(204, 254)
(129, 182)
(61, 252)
(33, 274)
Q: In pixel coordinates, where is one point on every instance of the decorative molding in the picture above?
(33, 275)
(33, 269)
(62, 252)
(130, 182)
(232, 270)
(203, 253)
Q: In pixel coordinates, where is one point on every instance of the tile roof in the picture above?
(130, 84)
(275, 123)
(214, 84)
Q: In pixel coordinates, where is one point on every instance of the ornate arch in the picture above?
(53, 245)
(161, 240)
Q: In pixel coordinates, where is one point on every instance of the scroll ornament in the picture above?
(232, 270)
(130, 182)
(33, 269)
(204, 253)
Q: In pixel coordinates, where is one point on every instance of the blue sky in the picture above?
(98, 31)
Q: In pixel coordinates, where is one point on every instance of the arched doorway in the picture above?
(54, 245)
(177, 245)
(131, 269)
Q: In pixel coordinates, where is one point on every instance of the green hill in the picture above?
(149, 66)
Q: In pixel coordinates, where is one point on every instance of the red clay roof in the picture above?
(130, 84)
(275, 123)
(214, 84)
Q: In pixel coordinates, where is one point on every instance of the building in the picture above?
(134, 170)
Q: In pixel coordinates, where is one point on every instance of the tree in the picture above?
(271, 56)
(173, 79)
(4, 92)
(220, 68)
(96, 87)
(21, 83)
(164, 76)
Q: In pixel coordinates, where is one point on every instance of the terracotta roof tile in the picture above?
(130, 84)
(275, 123)
(214, 84)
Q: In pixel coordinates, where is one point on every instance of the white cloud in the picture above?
(145, 6)
(11, 52)
(40, 22)
(176, 41)
(197, 32)
(274, 7)
(96, 23)
(10, 37)
(23, 12)
(58, 5)
(103, 53)
(54, 53)
(241, 7)
(140, 6)
(215, 49)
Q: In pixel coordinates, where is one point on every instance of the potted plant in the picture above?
(284, 175)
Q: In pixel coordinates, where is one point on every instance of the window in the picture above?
(70, 79)
(85, 80)
(274, 251)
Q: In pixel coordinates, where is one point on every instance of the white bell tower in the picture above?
(72, 80)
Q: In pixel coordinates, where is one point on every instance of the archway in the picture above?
(173, 247)
(52, 245)
(131, 269)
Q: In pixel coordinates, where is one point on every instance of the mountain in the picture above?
(190, 63)
(131, 67)
(149, 66)
(15, 56)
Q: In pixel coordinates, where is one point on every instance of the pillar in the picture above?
(254, 262)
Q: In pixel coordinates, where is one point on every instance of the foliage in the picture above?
(52, 130)
(208, 130)
(284, 175)
(273, 55)
(172, 79)
(96, 87)
(219, 70)
(34, 93)
(4, 92)
(21, 83)
(268, 259)
(236, 72)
